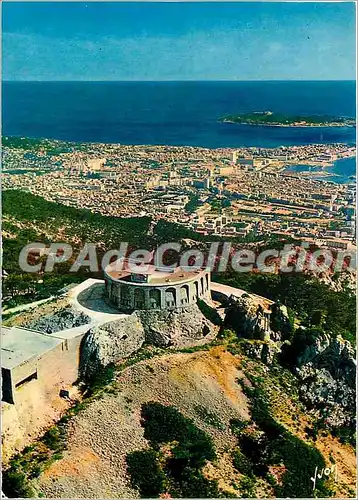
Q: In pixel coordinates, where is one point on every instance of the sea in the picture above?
(176, 113)
(343, 170)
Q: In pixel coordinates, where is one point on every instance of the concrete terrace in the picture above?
(89, 297)
(229, 291)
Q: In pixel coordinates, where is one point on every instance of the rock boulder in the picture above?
(178, 328)
(110, 343)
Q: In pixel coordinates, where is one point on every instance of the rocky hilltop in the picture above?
(261, 413)
(116, 340)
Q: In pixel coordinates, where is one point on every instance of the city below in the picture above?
(234, 193)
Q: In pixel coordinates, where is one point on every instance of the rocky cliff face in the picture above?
(280, 323)
(251, 320)
(178, 328)
(265, 351)
(119, 339)
(248, 319)
(327, 370)
(110, 343)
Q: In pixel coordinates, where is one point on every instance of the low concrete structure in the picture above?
(38, 370)
(225, 293)
(53, 359)
(32, 358)
(133, 287)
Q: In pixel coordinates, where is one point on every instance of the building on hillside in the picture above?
(133, 287)
(36, 364)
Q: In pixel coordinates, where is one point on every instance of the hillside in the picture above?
(252, 434)
(247, 415)
(28, 218)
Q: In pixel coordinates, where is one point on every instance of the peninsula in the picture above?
(271, 119)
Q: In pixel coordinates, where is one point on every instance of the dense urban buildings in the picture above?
(244, 193)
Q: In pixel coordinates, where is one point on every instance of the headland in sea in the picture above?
(271, 119)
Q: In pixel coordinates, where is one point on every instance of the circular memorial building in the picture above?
(131, 287)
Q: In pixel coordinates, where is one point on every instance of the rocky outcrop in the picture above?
(248, 319)
(327, 371)
(59, 320)
(265, 351)
(280, 323)
(338, 282)
(116, 340)
(177, 328)
(326, 368)
(110, 343)
(252, 320)
(333, 353)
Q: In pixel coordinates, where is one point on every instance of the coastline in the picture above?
(338, 175)
(304, 161)
(283, 125)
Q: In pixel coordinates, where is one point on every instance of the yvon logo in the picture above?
(327, 472)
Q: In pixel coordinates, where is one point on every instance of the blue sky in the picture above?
(171, 41)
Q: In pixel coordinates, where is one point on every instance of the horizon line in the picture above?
(179, 81)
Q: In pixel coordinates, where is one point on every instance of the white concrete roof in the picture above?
(19, 345)
(125, 270)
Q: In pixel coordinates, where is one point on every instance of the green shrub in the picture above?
(300, 459)
(196, 348)
(346, 435)
(242, 463)
(180, 473)
(209, 417)
(247, 487)
(16, 485)
(54, 438)
(237, 425)
(163, 424)
(193, 484)
(146, 473)
(100, 379)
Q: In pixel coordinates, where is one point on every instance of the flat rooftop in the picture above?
(19, 345)
(148, 274)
